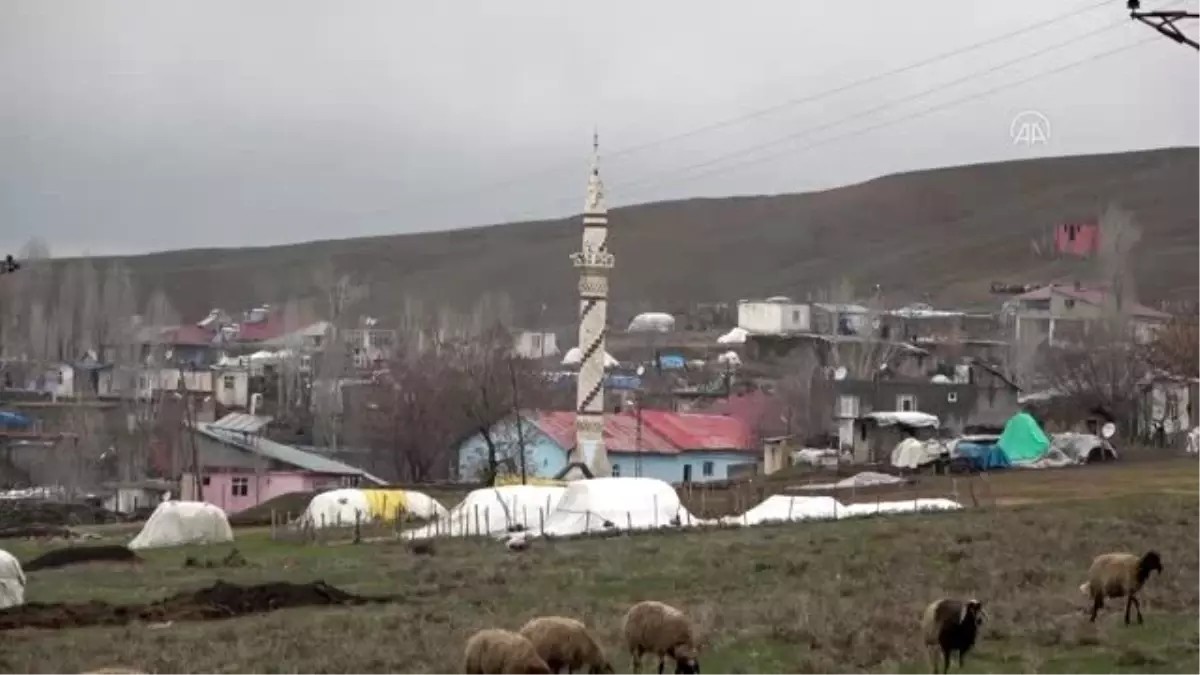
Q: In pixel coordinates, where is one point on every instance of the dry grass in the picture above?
(817, 597)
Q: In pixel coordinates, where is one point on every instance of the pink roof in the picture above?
(1092, 296)
(663, 432)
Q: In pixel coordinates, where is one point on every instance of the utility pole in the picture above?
(512, 376)
(1164, 22)
(637, 400)
(189, 424)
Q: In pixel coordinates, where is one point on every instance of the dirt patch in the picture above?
(78, 555)
(219, 601)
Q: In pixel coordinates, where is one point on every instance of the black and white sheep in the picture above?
(652, 627)
(1116, 575)
(563, 642)
(950, 625)
(493, 650)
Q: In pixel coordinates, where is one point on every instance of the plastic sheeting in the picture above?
(341, 508)
(1023, 440)
(983, 456)
(904, 506)
(12, 581)
(179, 523)
(911, 453)
(601, 504)
(782, 508)
(491, 511)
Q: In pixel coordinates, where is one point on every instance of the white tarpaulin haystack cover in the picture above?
(178, 523)
(911, 453)
(600, 504)
(858, 480)
(342, 508)
(490, 511)
(12, 581)
(905, 506)
(782, 508)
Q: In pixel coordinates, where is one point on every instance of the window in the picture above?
(795, 316)
(847, 407)
(1071, 231)
(906, 402)
(205, 481)
(616, 472)
(143, 382)
(1069, 303)
(952, 397)
(687, 473)
(349, 481)
(229, 382)
(536, 341)
(707, 469)
(240, 487)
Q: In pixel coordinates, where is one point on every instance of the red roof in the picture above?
(268, 329)
(1092, 296)
(663, 432)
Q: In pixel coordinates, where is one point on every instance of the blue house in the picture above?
(673, 447)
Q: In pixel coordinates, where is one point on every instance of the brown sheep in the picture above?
(1116, 575)
(652, 627)
(492, 650)
(566, 643)
(950, 626)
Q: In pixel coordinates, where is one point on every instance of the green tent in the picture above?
(1023, 440)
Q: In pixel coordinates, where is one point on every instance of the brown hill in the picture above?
(945, 234)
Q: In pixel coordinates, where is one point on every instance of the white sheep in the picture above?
(950, 625)
(493, 650)
(1116, 575)
(566, 643)
(12, 581)
(652, 627)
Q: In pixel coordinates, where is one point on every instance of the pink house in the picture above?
(1077, 239)
(239, 468)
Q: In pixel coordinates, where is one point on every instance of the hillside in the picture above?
(947, 233)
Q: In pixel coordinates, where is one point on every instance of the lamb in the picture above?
(566, 643)
(493, 650)
(652, 627)
(951, 626)
(1115, 575)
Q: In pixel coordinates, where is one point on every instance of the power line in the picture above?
(641, 183)
(672, 175)
(1164, 22)
(755, 114)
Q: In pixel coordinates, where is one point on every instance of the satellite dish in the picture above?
(1108, 430)
(840, 373)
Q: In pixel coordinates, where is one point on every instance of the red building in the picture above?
(1077, 239)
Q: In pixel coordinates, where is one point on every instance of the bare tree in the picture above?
(806, 395)
(1175, 348)
(1119, 234)
(1104, 373)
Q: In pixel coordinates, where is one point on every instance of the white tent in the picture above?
(489, 511)
(600, 504)
(736, 336)
(342, 508)
(178, 523)
(905, 506)
(782, 508)
(12, 581)
(651, 322)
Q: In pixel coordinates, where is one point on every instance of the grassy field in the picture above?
(815, 597)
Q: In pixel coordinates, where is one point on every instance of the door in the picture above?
(687, 473)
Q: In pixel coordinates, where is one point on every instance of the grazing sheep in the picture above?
(492, 650)
(1116, 575)
(951, 626)
(566, 643)
(652, 627)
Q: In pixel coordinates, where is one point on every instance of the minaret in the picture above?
(594, 263)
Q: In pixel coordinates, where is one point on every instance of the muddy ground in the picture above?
(219, 601)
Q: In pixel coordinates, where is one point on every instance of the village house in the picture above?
(1061, 313)
(241, 468)
(669, 446)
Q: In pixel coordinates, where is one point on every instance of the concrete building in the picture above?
(1061, 313)
(774, 316)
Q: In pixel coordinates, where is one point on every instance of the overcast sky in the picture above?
(132, 126)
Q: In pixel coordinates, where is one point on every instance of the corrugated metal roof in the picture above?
(241, 423)
(663, 432)
(286, 454)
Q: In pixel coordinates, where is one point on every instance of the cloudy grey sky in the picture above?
(131, 126)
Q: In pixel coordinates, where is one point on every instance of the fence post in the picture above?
(587, 522)
(656, 511)
(542, 521)
(791, 503)
(477, 530)
(357, 526)
(487, 520)
(629, 521)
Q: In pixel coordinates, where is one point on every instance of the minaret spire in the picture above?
(594, 263)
